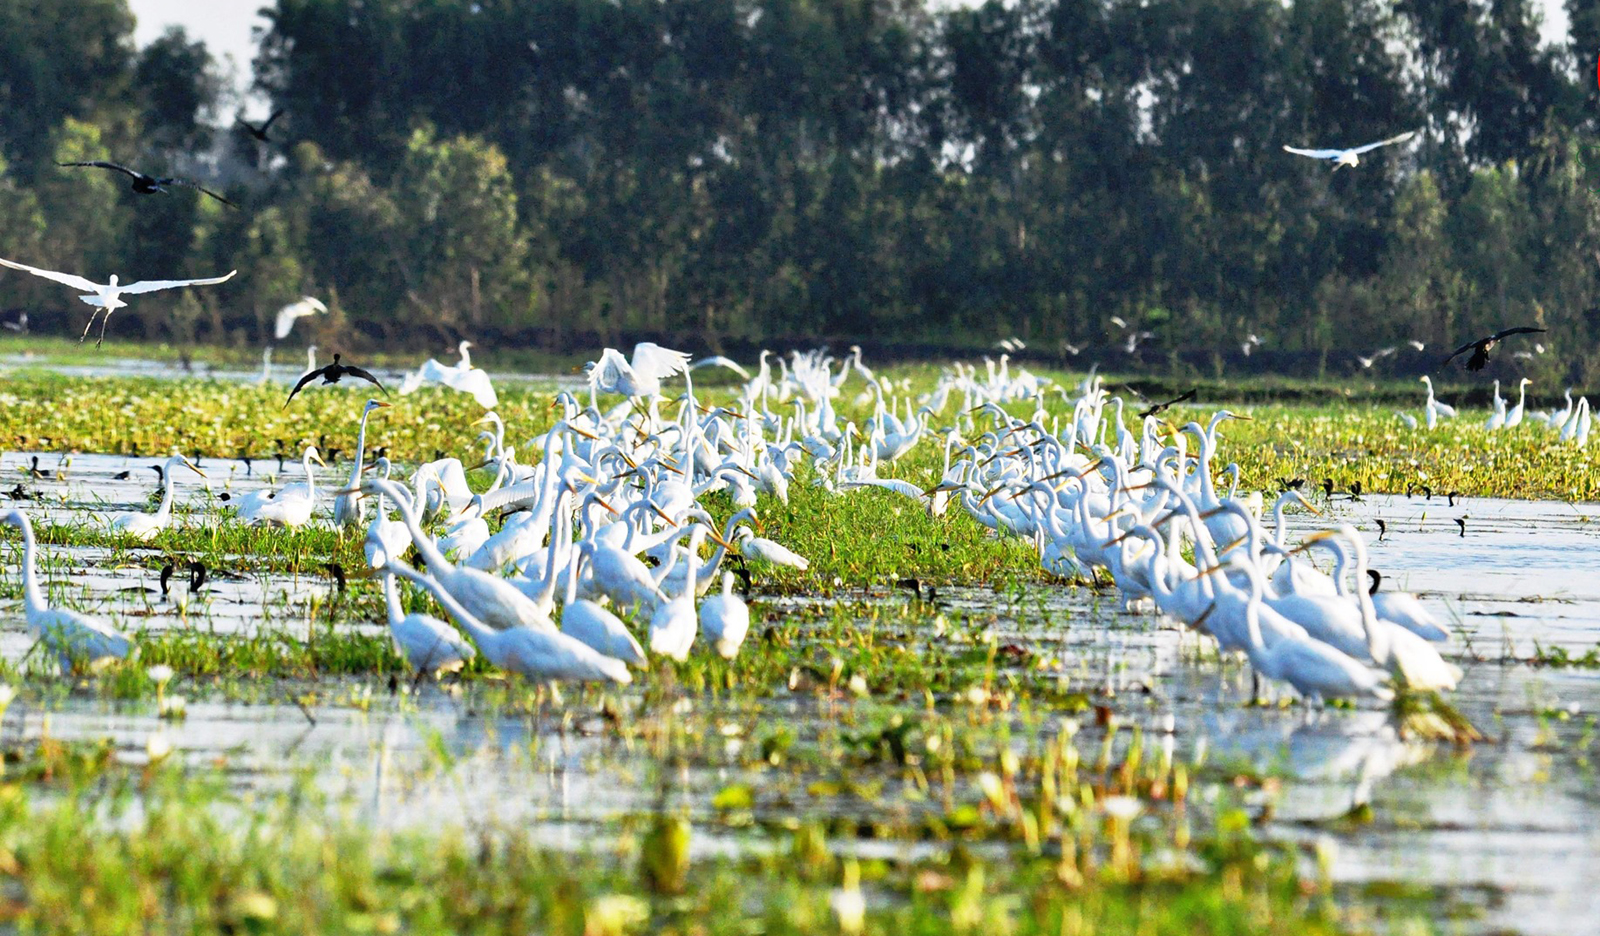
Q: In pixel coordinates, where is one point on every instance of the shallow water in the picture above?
(1506, 828)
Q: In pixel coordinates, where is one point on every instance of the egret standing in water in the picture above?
(144, 526)
(74, 638)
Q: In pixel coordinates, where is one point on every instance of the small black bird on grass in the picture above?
(1480, 349)
(331, 374)
(1162, 407)
(148, 184)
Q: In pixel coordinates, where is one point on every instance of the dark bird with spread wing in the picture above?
(147, 184)
(1162, 407)
(1480, 349)
(331, 374)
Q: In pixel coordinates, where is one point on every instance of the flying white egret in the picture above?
(640, 378)
(1349, 157)
(74, 638)
(144, 526)
(462, 377)
(289, 314)
(107, 296)
(428, 644)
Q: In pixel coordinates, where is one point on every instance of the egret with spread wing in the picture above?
(1349, 157)
(1480, 349)
(641, 378)
(108, 296)
(148, 184)
(289, 314)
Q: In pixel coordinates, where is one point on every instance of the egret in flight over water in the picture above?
(108, 296)
(1349, 157)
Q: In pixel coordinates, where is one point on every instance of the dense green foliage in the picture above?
(572, 171)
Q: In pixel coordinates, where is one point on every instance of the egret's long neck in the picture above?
(361, 448)
(311, 478)
(31, 596)
(1377, 637)
(425, 545)
(165, 509)
(391, 598)
(479, 631)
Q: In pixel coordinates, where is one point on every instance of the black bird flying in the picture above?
(333, 373)
(1162, 407)
(260, 132)
(1480, 349)
(146, 184)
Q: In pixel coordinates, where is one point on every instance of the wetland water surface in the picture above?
(1504, 830)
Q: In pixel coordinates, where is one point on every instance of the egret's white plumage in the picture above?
(107, 296)
(293, 312)
(1349, 157)
(76, 639)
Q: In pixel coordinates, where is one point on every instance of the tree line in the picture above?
(724, 173)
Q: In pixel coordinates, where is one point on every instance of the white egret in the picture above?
(76, 639)
(107, 296)
(640, 378)
(144, 526)
(756, 547)
(586, 621)
(428, 644)
(290, 507)
(461, 377)
(535, 654)
(725, 619)
(1349, 157)
(289, 314)
(386, 539)
(347, 508)
(488, 598)
(1433, 409)
(1314, 669)
(1514, 416)
(674, 624)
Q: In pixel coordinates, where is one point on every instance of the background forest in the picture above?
(726, 173)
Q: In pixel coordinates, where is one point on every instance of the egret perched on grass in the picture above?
(108, 297)
(76, 639)
(756, 547)
(144, 526)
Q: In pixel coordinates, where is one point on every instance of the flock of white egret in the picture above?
(598, 562)
(1570, 423)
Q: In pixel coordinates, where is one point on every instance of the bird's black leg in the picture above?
(94, 311)
(103, 320)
